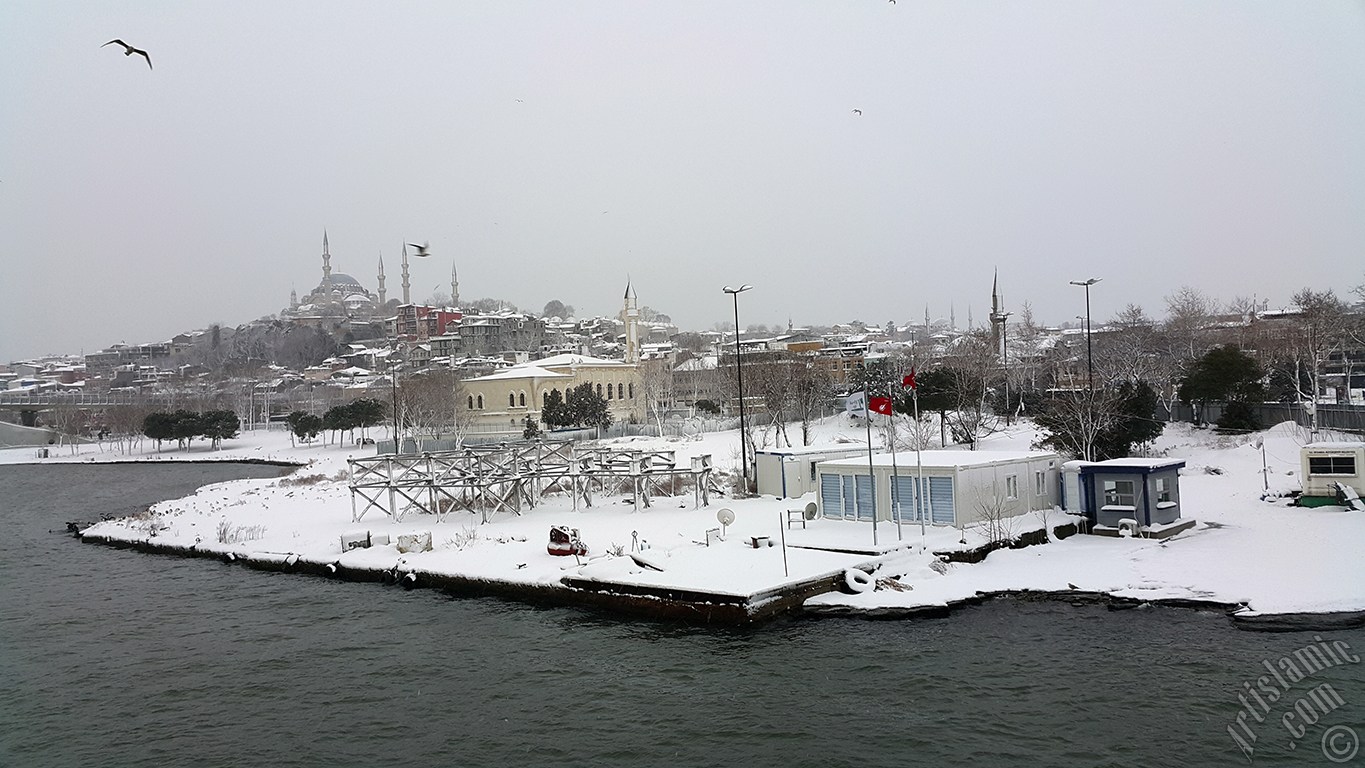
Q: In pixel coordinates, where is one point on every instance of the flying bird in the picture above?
(421, 249)
(857, 111)
(129, 50)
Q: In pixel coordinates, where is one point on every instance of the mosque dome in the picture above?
(344, 283)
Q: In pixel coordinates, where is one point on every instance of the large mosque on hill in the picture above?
(340, 297)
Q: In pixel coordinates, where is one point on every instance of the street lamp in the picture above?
(1089, 356)
(739, 374)
(393, 387)
(1005, 360)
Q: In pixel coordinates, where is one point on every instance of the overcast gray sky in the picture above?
(552, 148)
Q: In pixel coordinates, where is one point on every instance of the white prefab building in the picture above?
(1326, 464)
(960, 487)
(790, 473)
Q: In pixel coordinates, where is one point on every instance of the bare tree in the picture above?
(1076, 421)
(431, 404)
(1188, 314)
(996, 524)
(656, 387)
(125, 424)
(972, 365)
(1320, 331)
(770, 379)
(1132, 350)
(811, 389)
(68, 423)
(1024, 352)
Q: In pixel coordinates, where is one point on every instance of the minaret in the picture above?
(454, 287)
(293, 298)
(407, 298)
(326, 271)
(381, 279)
(630, 315)
(998, 315)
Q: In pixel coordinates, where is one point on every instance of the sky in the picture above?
(557, 150)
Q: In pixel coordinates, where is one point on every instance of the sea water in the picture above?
(114, 658)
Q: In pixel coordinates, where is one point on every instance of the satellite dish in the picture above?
(726, 517)
(809, 512)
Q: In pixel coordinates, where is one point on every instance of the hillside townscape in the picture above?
(483, 371)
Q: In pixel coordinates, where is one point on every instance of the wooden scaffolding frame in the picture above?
(510, 477)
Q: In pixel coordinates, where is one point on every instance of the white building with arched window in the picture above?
(507, 397)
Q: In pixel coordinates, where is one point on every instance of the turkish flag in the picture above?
(881, 405)
(909, 380)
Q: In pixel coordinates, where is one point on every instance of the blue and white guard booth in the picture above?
(1129, 496)
(960, 487)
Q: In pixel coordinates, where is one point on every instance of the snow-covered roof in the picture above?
(522, 372)
(705, 363)
(569, 359)
(1132, 462)
(809, 450)
(943, 459)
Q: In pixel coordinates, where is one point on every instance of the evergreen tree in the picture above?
(218, 426)
(158, 427)
(1223, 374)
(367, 412)
(587, 408)
(531, 430)
(303, 425)
(554, 413)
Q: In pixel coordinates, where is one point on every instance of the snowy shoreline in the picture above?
(1266, 564)
(717, 609)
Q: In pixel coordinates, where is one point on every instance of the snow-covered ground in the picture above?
(1267, 554)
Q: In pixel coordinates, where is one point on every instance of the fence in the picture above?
(1344, 418)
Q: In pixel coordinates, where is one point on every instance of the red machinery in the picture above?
(565, 541)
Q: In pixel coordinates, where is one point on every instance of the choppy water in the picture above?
(114, 658)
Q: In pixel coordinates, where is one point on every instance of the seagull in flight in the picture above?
(129, 50)
(421, 249)
(857, 111)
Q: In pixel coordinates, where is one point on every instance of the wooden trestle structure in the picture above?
(487, 479)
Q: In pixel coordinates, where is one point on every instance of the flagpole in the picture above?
(895, 475)
(871, 475)
(919, 465)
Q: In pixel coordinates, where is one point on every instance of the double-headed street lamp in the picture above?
(739, 374)
(1089, 356)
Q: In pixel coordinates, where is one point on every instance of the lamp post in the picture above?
(1089, 356)
(1005, 360)
(393, 387)
(739, 374)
